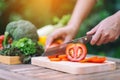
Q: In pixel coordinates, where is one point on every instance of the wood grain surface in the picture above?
(31, 72)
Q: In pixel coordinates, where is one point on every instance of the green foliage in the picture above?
(2, 5)
(64, 20)
(10, 51)
(116, 54)
(28, 49)
(14, 17)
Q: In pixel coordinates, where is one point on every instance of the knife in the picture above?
(58, 50)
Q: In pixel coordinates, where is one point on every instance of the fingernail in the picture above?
(88, 33)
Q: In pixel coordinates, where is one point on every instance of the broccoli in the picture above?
(20, 29)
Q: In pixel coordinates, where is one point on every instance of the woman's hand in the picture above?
(106, 31)
(66, 33)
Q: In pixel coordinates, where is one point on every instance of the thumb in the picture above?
(48, 42)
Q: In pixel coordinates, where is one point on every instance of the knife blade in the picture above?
(58, 50)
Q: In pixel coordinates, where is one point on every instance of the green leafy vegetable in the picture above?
(28, 49)
(27, 46)
(10, 51)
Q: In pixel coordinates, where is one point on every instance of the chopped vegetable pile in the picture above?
(93, 59)
(58, 58)
(75, 52)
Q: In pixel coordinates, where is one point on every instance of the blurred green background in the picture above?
(42, 12)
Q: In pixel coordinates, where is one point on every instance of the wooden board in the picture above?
(74, 67)
(10, 59)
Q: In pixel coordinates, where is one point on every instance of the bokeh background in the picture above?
(43, 12)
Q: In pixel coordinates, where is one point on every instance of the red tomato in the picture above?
(1, 47)
(97, 59)
(76, 51)
(1, 38)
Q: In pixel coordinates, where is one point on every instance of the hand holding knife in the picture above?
(61, 48)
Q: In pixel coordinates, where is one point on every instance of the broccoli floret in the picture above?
(20, 29)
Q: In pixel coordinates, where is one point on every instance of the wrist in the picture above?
(73, 27)
(117, 14)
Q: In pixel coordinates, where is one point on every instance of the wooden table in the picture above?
(31, 72)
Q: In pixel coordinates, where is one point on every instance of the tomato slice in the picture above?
(97, 59)
(55, 59)
(76, 51)
(94, 59)
(62, 56)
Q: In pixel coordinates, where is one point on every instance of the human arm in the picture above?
(81, 10)
(108, 30)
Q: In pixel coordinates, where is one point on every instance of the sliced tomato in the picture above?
(55, 59)
(94, 59)
(76, 51)
(64, 59)
(62, 56)
(97, 59)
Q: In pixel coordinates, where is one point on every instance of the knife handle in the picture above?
(84, 39)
